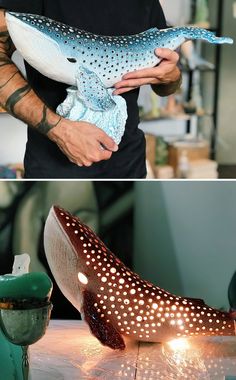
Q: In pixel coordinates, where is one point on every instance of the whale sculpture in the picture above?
(114, 301)
(92, 64)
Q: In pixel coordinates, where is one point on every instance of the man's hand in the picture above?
(166, 73)
(83, 143)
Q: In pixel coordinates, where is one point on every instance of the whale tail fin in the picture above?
(233, 314)
(194, 33)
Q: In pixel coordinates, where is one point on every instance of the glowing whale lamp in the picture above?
(116, 302)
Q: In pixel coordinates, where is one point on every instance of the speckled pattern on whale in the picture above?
(93, 63)
(115, 301)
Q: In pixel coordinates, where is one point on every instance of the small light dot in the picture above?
(82, 278)
(104, 279)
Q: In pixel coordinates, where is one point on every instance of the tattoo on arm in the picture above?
(14, 88)
(6, 50)
(4, 34)
(3, 85)
(15, 98)
(5, 60)
(44, 126)
(6, 41)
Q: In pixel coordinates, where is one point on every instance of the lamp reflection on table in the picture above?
(69, 351)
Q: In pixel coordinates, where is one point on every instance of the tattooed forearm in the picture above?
(44, 126)
(8, 80)
(16, 95)
(4, 34)
(5, 60)
(6, 40)
(15, 98)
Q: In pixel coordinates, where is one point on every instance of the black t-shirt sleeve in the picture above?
(157, 16)
(27, 6)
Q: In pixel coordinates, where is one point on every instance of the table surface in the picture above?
(69, 351)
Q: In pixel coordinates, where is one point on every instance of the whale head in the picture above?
(47, 45)
(65, 262)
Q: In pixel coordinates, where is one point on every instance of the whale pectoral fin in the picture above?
(100, 328)
(92, 91)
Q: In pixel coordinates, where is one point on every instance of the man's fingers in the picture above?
(123, 90)
(86, 144)
(145, 73)
(87, 163)
(135, 82)
(75, 161)
(107, 142)
(167, 54)
(99, 154)
(105, 155)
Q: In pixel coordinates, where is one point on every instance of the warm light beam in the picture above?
(179, 344)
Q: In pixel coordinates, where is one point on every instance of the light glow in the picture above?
(179, 344)
(82, 278)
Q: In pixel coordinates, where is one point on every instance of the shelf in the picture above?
(170, 128)
(182, 117)
(202, 70)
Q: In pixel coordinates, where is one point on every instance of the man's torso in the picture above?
(43, 159)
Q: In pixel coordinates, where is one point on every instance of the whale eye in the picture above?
(72, 60)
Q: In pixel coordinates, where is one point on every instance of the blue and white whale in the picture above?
(92, 64)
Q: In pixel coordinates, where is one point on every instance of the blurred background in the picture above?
(189, 135)
(180, 236)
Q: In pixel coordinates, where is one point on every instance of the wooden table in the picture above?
(69, 351)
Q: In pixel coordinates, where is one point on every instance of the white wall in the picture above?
(185, 237)
(12, 132)
(12, 140)
(226, 150)
(179, 14)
